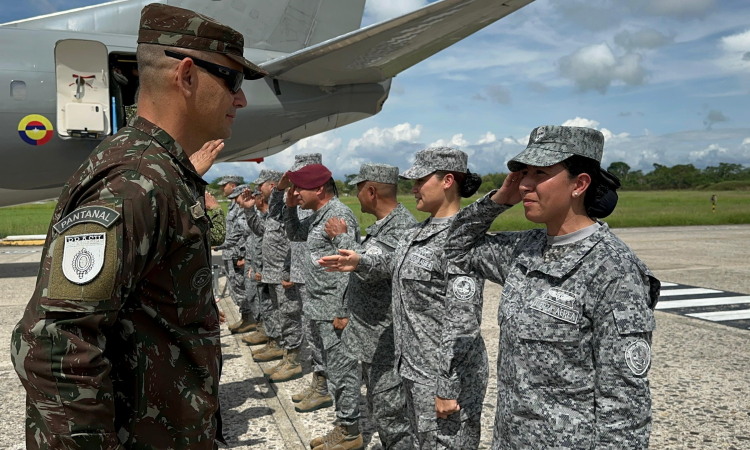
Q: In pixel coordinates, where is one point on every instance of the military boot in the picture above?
(272, 370)
(257, 337)
(298, 397)
(342, 437)
(270, 352)
(244, 325)
(319, 397)
(291, 370)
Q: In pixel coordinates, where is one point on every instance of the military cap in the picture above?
(431, 160)
(236, 192)
(236, 179)
(306, 159)
(257, 191)
(268, 175)
(311, 176)
(379, 173)
(177, 27)
(551, 144)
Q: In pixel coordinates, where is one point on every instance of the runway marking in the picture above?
(706, 304)
(19, 252)
(692, 291)
(669, 284)
(711, 301)
(722, 316)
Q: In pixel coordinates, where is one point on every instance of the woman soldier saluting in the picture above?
(440, 353)
(576, 314)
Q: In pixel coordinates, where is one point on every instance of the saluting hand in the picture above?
(204, 158)
(345, 261)
(247, 199)
(284, 182)
(211, 202)
(335, 226)
(445, 407)
(510, 192)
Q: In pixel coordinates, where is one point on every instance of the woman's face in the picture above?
(430, 193)
(547, 193)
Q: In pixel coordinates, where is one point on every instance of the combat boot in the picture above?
(298, 397)
(291, 370)
(342, 437)
(272, 370)
(272, 352)
(257, 337)
(244, 325)
(319, 397)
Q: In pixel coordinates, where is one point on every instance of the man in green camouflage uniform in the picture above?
(119, 345)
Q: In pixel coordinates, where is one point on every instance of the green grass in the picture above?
(635, 209)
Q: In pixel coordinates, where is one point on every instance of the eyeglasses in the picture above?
(232, 78)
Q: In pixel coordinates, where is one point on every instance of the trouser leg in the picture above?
(386, 402)
(343, 374)
(268, 311)
(290, 316)
(249, 303)
(312, 337)
(229, 268)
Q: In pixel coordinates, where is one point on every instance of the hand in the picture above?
(510, 192)
(286, 284)
(211, 202)
(284, 182)
(246, 199)
(335, 226)
(345, 261)
(222, 317)
(250, 274)
(258, 277)
(340, 323)
(291, 199)
(241, 264)
(204, 158)
(445, 407)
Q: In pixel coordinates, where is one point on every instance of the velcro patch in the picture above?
(420, 261)
(94, 214)
(464, 288)
(556, 310)
(638, 357)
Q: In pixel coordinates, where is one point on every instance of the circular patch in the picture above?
(200, 278)
(638, 357)
(464, 288)
(35, 129)
(83, 262)
(374, 251)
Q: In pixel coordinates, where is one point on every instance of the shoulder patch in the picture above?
(638, 357)
(83, 256)
(374, 250)
(95, 214)
(464, 288)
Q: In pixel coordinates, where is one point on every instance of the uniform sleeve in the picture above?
(287, 269)
(622, 327)
(254, 222)
(352, 236)
(472, 250)
(227, 231)
(236, 237)
(461, 327)
(58, 349)
(218, 226)
(276, 205)
(296, 230)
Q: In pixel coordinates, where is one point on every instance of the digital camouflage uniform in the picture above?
(576, 318)
(133, 357)
(232, 251)
(368, 337)
(251, 286)
(325, 292)
(269, 309)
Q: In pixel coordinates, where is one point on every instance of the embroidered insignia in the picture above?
(464, 288)
(556, 310)
(197, 211)
(562, 297)
(374, 251)
(83, 257)
(200, 278)
(420, 261)
(96, 214)
(638, 357)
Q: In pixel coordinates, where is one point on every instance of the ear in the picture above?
(372, 191)
(582, 183)
(448, 181)
(186, 77)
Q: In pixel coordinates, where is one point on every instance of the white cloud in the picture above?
(487, 138)
(735, 49)
(380, 10)
(746, 142)
(581, 122)
(647, 38)
(713, 149)
(457, 141)
(595, 68)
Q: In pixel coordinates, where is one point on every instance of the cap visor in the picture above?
(252, 72)
(416, 172)
(537, 155)
(259, 181)
(356, 180)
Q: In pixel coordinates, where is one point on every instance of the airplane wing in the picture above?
(381, 51)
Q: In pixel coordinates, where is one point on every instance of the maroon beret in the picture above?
(310, 177)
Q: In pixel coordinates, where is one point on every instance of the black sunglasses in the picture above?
(232, 78)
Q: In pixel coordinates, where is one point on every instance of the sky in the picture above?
(666, 81)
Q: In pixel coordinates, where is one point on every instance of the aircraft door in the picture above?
(82, 76)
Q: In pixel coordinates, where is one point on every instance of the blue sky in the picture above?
(667, 81)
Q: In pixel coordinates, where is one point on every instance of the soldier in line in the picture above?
(315, 189)
(231, 247)
(368, 334)
(250, 312)
(237, 240)
(119, 346)
(316, 395)
(576, 315)
(437, 313)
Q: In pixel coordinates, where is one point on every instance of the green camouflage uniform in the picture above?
(218, 225)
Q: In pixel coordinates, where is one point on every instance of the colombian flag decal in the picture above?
(35, 129)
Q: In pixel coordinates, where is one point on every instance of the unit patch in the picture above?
(464, 288)
(559, 311)
(83, 257)
(197, 211)
(95, 214)
(638, 357)
(200, 278)
(374, 250)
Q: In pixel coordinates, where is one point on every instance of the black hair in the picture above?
(468, 183)
(601, 196)
(330, 187)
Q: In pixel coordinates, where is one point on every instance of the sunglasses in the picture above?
(232, 78)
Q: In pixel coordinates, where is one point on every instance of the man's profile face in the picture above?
(215, 105)
(228, 188)
(363, 195)
(266, 188)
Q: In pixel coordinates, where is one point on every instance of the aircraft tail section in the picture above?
(280, 25)
(381, 51)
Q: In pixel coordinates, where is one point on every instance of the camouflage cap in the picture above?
(236, 179)
(268, 175)
(306, 159)
(431, 160)
(551, 144)
(257, 191)
(379, 173)
(177, 27)
(236, 192)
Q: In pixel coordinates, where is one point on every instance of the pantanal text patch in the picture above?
(93, 214)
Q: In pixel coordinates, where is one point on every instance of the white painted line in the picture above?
(693, 291)
(28, 237)
(696, 302)
(721, 316)
(669, 284)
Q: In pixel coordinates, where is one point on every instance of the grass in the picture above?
(635, 209)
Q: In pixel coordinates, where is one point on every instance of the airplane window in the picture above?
(18, 90)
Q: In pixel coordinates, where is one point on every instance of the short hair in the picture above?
(385, 190)
(152, 62)
(330, 187)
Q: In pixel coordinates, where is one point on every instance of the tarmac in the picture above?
(700, 374)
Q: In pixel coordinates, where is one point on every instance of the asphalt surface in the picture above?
(700, 375)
